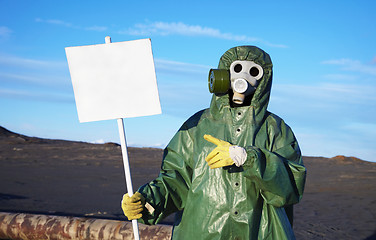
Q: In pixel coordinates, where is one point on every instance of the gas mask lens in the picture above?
(248, 70)
(254, 71)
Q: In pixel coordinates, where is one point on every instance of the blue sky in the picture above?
(324, 56)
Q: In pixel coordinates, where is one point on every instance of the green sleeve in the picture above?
(168, 192)
(279, 174)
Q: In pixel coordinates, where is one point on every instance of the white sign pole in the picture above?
(106, 81)
(127, 171)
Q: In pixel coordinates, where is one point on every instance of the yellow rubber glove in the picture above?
(133, 206)
(220, 156)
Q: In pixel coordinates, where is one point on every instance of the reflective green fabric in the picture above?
(245, 202)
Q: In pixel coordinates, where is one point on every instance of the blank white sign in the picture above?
(114, 80)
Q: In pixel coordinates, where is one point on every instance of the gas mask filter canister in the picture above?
(243, 78)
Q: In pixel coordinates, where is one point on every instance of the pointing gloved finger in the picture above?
(220, 156)
(212, 139)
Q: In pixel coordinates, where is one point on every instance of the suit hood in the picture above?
(261, 96)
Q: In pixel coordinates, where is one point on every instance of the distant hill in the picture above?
(6, 133)
(12, 137)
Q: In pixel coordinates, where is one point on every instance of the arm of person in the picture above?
(278, 173)
(167, 193)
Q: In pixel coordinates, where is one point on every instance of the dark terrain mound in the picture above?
(82, 179)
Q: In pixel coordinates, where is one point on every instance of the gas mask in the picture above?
(243, 78)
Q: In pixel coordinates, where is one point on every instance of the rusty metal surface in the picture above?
(32, 226)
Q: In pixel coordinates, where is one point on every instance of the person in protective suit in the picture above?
(232, 171)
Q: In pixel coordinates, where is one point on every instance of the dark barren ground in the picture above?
(81, 179)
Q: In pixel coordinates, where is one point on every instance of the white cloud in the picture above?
(327, 92)
(142, 145)
(368, 129)
(59, 22)
(316, 142)
(341, 77)
(99, 141)
(34, 72)
(5, 32)
(54, 81)
(70, 25)
(96, 28)
(35, 95)
(353, 65)
(21, 77)
(169, 28)
(176, 67)
(329, 119)
(54, 22)
(179, 28)
(9, 60)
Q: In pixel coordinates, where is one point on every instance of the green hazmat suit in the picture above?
(253, 201)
